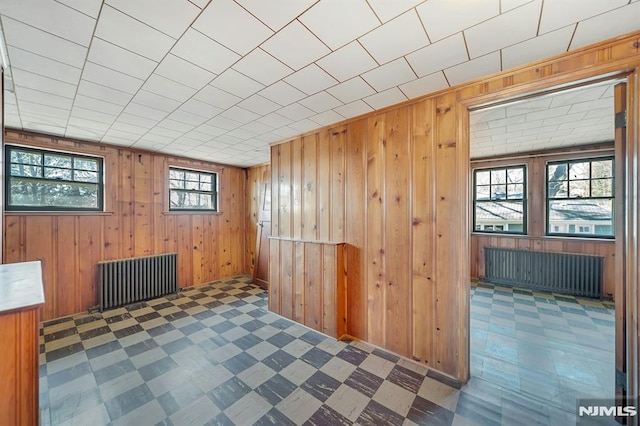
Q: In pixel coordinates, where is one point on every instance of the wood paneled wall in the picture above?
(536, 238)
(394, 185)
(256, 177)
(136, 222)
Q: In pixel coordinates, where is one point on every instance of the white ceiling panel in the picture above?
(296, 46)
(155, 101)
(181, 71)
(171, 17)
(396, 38)
(51, 17)
(115, 57)
(24, 60)
(216, 97)
(129, 128)
(386, 98)
(240, 115)
(347, 62)
(320, 102)
(136, 120)
(168, 88)
(237, 84)
(262, 67)
(75, 132)
(311, 79)
(224, 123)
(259, 105)
(274, 120)
(104, 93)
(187, 117)
(36, 109)
(110, 78)
(199, 49)
(282, 93)
(145, 111)
(389, 75)
(276, 13)
(88, 7)
(475, 68)
(36, 96)
(304, 125)
(507, 5)
(175, 126)
(125, 31)
(87, 114)
(504, 30)
(200, 108)
(210, 130)
(625, 19)
(438, 56)
(560, 13)
(424, 85)
(295, 112)
(443, 18)
(338, 22)
(41, 43)
(226, 22)
(350, 90)
(543, 46)
(44, 84)
(353, 109)
(326, 118)
(256, 128)
(389, 9)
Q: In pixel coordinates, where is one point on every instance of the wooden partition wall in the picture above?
(394, 185)
(256, 178)
(536, 202)
(136, 222)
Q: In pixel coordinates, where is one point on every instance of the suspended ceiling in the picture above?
(221, 80)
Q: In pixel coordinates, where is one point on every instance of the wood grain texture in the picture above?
(256, 178)
(136, 222)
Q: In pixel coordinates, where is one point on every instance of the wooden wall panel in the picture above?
(256, 178)
(135, 222)
(310, 182)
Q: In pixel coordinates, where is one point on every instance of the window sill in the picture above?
(189, 212)
(55, 213)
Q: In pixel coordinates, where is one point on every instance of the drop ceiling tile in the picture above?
(304, 126)
(543, 46)
(232, 26)
(392, 74)
(200, 3)
(460, 14)
(129, 128)
(597, 113)
(27, 61)
(424, 85)
(528, 106)
(295, 112)
(200, 108)
(122, 30)
(110, 78)
(396, 38)
(216, 97)
(321, 102)
(479, 67)
(209, 130)
(198, 136)
(591, 105)
(104, 93)
(38, 109)
(145, 111)
(350, 90)
(51, 17)
(259, 105)
(327, 118)
(507, 5)
(353, 109)
(438, 56)
(237, 84)
(282, 93)
(285, 132)
(276, 13)
(43, 84)
(347, 62)
(43, 98)
(187, 142)
(44, 128)
(274, 120)
(171, 17)
(256, 128)
(147, 146)
(187, 117)
(163, 132)
(354, 19)
(386, 10)
(119, 59)
(155, 101)
(584, 94)
(600, 27)
(74, 132)
(136, 120)
(41, 43)
(156, 139)
(176, 126)
(388, 97)
(504, 30)
(243, 135)
(88, 7)
(224, 123)
(12, 120)
(311, 79)
(228, 140)
(199, 49)
(262, 67)
(558, 14)
(177, 69)
(240, 115)
(296, 46)
(87, 114)
(118, 137)
(168, 88)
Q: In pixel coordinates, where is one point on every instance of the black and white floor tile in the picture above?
(215, 355)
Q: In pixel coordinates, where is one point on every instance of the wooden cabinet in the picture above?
(21, 296)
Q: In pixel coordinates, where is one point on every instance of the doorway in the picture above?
(543, 172)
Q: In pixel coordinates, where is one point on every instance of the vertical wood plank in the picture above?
(89, 245)
(275, 193)
(329, 296)
(68, 292)
(287, 266)
(274, 276)
(14, 244)
(296, 188)
(337, 167)
(40, 232)
(126, 202)
(141, 204)
(309, 194)
(313, 286)
(284, 188)
(323, 187)
(197, 253)
(341, 291)
(185, 250)
(299, 274)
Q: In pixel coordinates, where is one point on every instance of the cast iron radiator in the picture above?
(566, 273)
(139, 278)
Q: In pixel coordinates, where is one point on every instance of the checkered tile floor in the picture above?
(215, 355)
(546, 347)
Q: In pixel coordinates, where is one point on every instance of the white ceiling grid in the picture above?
(222, 79)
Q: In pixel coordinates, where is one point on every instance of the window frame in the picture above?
(525, 216)
(9, 148)
(215, 190)
(568, 162)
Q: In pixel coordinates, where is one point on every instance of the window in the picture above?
(52, 181)
(580, 197)
(499, 200)
(192, 190)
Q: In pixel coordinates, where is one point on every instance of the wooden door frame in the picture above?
(631, 208)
